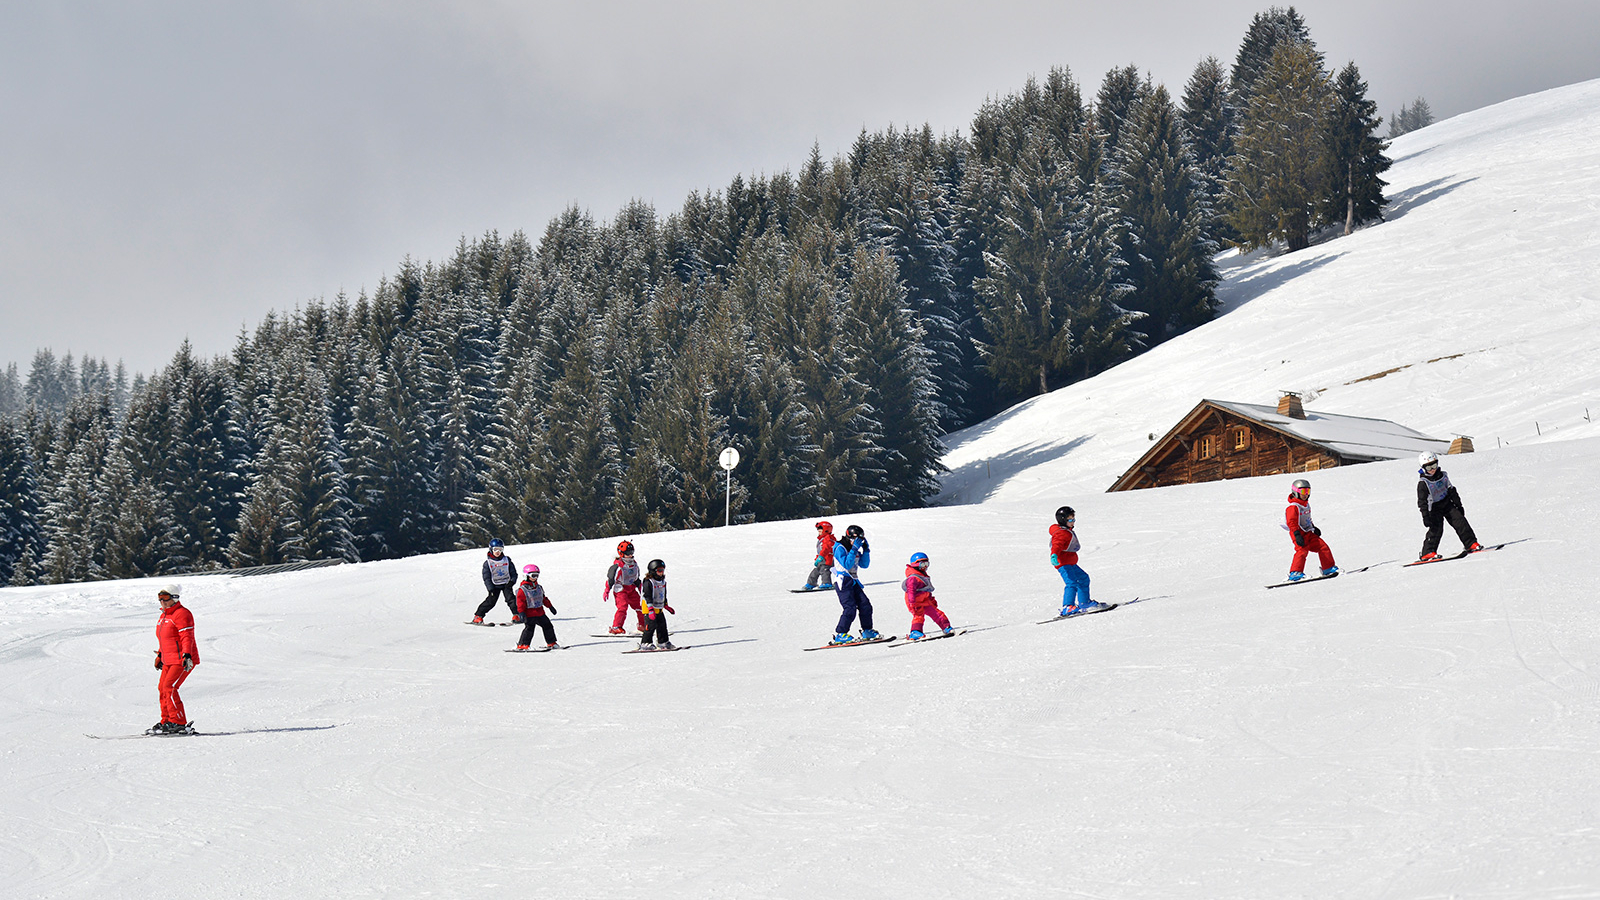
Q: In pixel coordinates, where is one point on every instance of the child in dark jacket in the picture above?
(1439, 503)
(499, 578)
(653, 606)
(531, 605)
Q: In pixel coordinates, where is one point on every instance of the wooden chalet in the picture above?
(1219, 440)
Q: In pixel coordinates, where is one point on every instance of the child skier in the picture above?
(622, 586)
(653, 605)
(1064, 549)
(499, 578)
(919, 597)
(1305, 534)
(823, 561)
(531, 604)
(850, 553)
(1439, 503)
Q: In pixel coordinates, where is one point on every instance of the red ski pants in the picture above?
(1312, 542)
(627, 597)
(171, 703)
(930, 608)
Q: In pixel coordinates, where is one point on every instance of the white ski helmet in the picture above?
(172, 590)
(1428, 458)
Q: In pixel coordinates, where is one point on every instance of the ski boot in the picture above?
(1428, 557)
(914, 636)
(477, 620)
(949, 631)
(646, 645)
(668, 646)
(522, 646)
(1330, 571)
(1296, 576)
(1475, 547)
(842, 638)
(1091, 606)
(617, 629)
(1070, 610)
(552, 646)
(867, 634)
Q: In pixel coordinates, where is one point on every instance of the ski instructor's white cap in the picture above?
(172, 590)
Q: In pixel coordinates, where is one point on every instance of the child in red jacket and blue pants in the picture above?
(1064, 548)
(919, 597)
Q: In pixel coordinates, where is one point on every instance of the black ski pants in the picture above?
(532, 622)
(1435, 519)
(852, 599)
(655, 628)
(495, 593)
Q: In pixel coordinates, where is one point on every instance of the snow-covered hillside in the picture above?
(1479, 297)
(1401, 732)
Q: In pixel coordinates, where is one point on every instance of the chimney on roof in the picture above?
(1289, 405)
(1462, 444)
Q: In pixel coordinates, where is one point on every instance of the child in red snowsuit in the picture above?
(622, 586)
(919, 597)
(1306, 535)
(822, 563)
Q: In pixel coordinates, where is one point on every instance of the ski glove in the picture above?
(1299, 540)
(158, 659)
(670, 610)
(551, 606)
(1316, 531)
(188, 662)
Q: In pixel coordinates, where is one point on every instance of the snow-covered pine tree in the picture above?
(11, 391)
(1267, 30)
(140, 526)
(1102, 331)
(206, 458)
(1114, 105)
(1278, 175)
(391, 461)
(891, 360)
(74, 536)
(1355, 156)
(21, 534)
(1164, 242)
(1208, 118)
(1022, 299)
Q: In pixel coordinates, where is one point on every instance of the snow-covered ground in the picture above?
(1425, 732)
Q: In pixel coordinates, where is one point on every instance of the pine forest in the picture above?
(830, 323)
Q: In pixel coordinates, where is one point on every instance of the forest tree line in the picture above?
(830, 323)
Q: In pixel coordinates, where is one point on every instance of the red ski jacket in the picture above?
(1297, 518)
(918, 589)
(175, 632)
(1063, 546)
(825, 550)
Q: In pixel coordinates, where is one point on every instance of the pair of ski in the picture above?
(1462, 554)
(635, 637)
(889, 639)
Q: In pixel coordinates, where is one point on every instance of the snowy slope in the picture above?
(1402, 732)
(1482, 290)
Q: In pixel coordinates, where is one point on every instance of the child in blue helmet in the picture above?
(500, 580)
(919, 597)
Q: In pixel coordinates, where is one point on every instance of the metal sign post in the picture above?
(729, 459)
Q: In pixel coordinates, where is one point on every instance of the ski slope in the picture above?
(1400, 733)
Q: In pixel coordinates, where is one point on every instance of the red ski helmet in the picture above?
(825, 527)
(625, 548)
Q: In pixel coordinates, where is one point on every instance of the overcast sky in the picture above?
(177, 170)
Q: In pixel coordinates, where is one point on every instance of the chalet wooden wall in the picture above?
(1219, 445)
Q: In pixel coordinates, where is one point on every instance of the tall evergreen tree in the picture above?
(1164, 242)
(1279, 170)
(21, 536)
(1267, 31)
(1208, 118)
(1355, 156)
(1116, 102)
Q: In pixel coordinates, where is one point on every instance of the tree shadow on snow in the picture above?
(984, 477)
(1246, 287)
(1405, 201)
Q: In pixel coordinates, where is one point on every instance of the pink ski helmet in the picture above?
(530, 570)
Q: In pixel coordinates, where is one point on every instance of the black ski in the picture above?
(672, 649)
(1304, 581)
(1462, 555)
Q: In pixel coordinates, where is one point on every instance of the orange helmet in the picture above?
(625, 548)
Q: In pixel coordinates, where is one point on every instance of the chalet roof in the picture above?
(1352, 437)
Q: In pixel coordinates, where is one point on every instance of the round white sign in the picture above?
(729, 458)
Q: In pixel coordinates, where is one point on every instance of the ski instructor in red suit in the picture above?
(176, 658)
